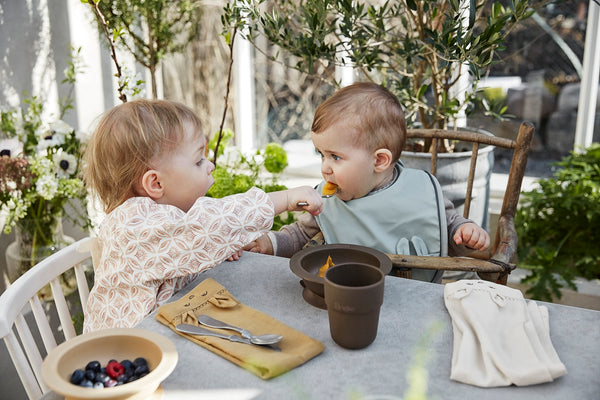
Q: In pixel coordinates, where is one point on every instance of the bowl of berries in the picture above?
(118, 363)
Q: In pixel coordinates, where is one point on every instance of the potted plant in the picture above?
(40, 164)
(417, 49)
(557, 224)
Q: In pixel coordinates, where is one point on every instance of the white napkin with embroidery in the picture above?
(499, 338)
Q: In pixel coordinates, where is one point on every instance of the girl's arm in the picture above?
(287, 200)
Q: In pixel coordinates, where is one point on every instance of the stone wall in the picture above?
(553, 113)
(560, 130)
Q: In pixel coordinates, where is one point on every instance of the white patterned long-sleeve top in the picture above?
(149, 251)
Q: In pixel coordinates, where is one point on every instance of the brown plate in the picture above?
(307, 262)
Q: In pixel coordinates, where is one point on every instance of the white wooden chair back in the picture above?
(14, 329)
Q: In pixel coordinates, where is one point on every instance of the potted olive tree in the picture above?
(417, 49)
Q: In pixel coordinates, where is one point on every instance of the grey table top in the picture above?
(413, 317)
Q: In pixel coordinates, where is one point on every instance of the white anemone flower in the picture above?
(60, 130)
(54, 135)
(61, 127)
(11, 147)
(45, 139)
(65, 163)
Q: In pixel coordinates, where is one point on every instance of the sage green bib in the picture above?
(406, 218)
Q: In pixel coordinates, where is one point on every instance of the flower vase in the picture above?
(34, 241)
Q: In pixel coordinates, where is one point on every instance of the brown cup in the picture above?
(353, 294)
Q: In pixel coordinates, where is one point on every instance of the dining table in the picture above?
(411, 355)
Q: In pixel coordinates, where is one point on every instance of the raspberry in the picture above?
(114, 369)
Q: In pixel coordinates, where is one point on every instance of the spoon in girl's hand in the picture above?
(329, 190)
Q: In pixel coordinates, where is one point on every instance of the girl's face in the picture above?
(346, 164)
(186, 173)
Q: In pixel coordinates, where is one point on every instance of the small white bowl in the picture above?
(102, 346)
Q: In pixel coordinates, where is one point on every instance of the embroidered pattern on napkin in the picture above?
(499, 338)
(212, 299)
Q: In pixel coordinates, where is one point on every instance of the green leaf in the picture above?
(422, 91)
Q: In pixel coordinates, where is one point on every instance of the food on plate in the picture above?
(329, 188)
(114, 374)
(328, 264)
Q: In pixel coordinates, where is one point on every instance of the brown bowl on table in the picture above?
(307, 263)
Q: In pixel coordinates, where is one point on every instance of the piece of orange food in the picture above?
(329, 188)
(328, 264)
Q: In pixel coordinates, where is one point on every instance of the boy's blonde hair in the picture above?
(371, 113)
(126, 139)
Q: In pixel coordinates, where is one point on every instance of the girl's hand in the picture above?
(472, 236)
(308, 197)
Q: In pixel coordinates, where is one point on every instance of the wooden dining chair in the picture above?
(23, 338)
(498, 262)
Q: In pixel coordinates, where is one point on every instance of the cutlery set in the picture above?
(268, 340)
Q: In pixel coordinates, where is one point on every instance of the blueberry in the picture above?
(98, 385)
(140, 361)
(77, 376)
(90, 375)
(93, 366)
(86, 383)
(101, 377)
(127, 364)
(131, 378)
(139, 370)
(128, 371)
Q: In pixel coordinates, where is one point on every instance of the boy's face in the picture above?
(346, 164)
(185, 174)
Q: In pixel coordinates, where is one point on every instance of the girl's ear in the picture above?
(151, 184)
(383, 159)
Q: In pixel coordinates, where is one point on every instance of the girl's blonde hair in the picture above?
(126, 139)
(371, 113)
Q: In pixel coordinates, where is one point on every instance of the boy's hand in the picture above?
(261, 245)
(235, 256)
(472, 236)
(305, 195)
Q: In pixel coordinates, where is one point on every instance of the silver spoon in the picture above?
(260, 339)
(324, 196)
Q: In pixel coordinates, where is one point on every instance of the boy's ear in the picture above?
(383, 159)
(151, 184)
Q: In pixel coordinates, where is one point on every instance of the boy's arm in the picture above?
(289, 239)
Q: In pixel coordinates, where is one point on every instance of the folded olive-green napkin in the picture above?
(212, 299)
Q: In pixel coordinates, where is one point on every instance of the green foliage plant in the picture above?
(417, 49)
(558, 226)
(149, 29)
(237, 173)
